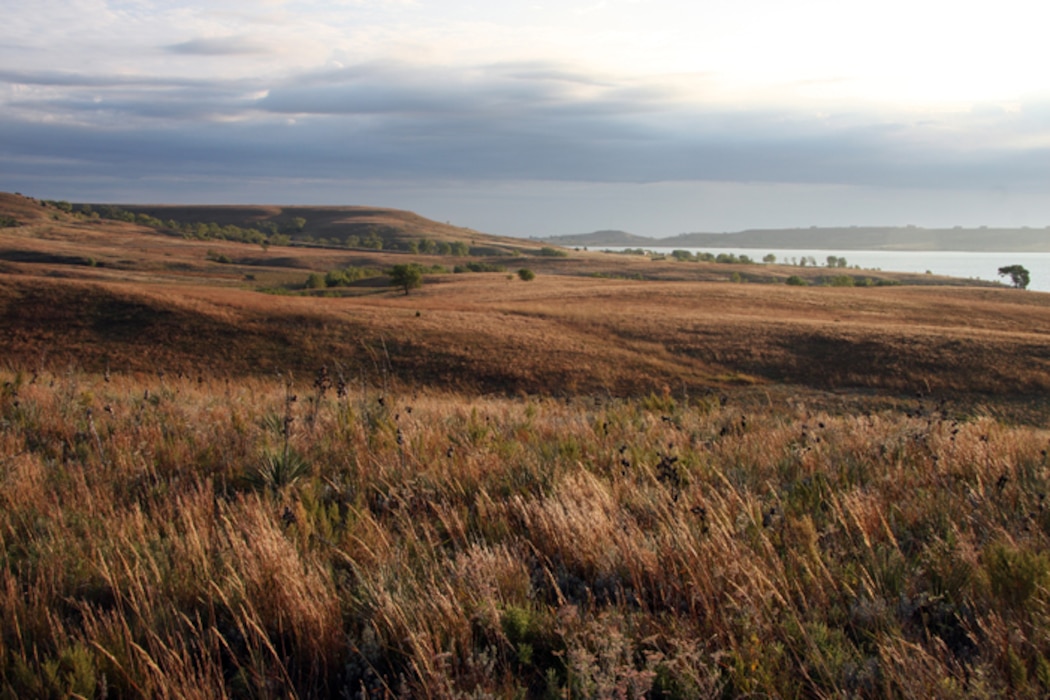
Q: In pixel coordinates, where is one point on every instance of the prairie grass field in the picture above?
(168, 537)
(236, 470)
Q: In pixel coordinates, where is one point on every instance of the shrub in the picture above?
(335, 278)
(61, 205)
(479, 267)
(840, 281)
(549, 252)
(796, 281)
(216, 256)
(526, 274)
(348, 275)
(1015, 574)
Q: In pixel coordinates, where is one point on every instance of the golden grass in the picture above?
(555, 334)
(446, 545)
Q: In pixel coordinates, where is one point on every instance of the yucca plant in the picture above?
(278, 470)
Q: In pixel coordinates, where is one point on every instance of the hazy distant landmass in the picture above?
(984, 239)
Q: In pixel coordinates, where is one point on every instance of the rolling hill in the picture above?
(118, 295)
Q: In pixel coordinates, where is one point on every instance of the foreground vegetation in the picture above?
(338, 536)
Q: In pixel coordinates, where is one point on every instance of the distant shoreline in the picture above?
(890, 238)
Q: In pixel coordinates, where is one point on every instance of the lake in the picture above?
(984, 266)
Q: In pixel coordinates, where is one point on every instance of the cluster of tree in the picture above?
(108, 211)
(429, 247)
(479, 267)
(348, 275)
(802, 261)
(842, 281)
(732, 258)
(725, 258)
(408, 276)
(806, 260)
(213, 231)
(265, 233)
(372, 240)
(8, 222)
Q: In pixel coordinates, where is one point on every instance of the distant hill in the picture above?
(982, 239)
(342, 225)
(614, 238)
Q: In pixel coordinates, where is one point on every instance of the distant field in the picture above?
(111, 294)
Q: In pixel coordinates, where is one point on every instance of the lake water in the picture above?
(984, 266)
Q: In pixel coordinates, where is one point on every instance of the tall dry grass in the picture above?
(274, 538)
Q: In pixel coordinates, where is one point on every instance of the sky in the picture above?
(530, 118)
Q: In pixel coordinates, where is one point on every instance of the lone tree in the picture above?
(407, 276)
(1018, 275)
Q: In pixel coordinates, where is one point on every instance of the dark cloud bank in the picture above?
(504, 122)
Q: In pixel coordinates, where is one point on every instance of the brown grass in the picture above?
(445, 545)
(559, 334)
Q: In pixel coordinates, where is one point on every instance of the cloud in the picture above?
(220, 46)
(73, 80)
(125, 102)
(539, 121)
(395, 88)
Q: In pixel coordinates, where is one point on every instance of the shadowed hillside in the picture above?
(359, 226)
(119, 295)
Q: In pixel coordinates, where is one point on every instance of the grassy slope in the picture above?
(106, 294)
(331, 222)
